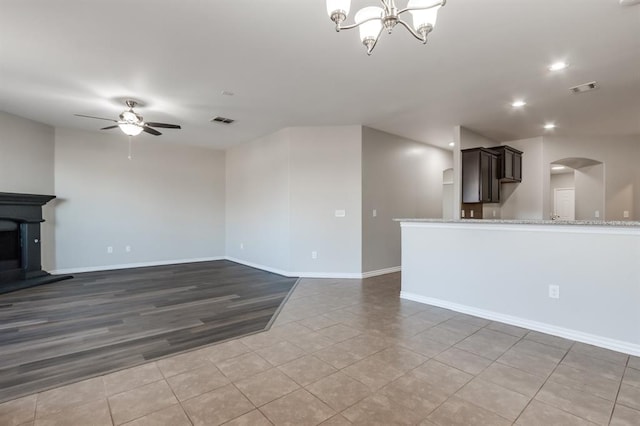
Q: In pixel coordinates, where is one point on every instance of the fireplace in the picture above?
(9, 245)
(20, 241)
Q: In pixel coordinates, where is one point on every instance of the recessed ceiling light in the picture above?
(518, 104)
(452, 144)
(557, 168)
(549, 126)
(557, 66)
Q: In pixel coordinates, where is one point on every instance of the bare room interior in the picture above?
(395, 212)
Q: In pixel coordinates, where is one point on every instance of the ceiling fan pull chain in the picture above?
(129, 157)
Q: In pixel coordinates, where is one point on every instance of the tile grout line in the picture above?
(615, 401)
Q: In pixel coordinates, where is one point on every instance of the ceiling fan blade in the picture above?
(109, 127)
(150, 130)
(97, 118)
(164, 125)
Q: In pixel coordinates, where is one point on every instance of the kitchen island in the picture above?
(579, 280)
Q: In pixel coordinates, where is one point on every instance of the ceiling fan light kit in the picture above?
(372, 20)
(131, 123)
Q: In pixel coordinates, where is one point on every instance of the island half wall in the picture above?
(503, 270)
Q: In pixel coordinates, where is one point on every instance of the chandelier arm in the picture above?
(409, 9)
(412, 31)
(352, 26)
(375, 42)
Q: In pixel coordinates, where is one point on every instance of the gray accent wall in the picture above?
(167, 203)
(401, 178)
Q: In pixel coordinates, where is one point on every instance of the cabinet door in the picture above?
(494, 180)
(507, 164)
(471, 177)
(486, 171)
(517, 167)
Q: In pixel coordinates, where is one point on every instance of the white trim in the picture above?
(133, 265)
(258, 266)
(579, 336)
(334, 275)
(381, 272)
(344, 275)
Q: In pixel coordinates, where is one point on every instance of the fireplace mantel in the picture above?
(23, 207)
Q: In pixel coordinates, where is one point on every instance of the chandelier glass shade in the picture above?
(372, 20)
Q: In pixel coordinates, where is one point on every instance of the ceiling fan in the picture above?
(131, 123)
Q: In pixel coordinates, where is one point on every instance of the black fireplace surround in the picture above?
(20, 255)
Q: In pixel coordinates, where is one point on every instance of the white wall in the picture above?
(596, 268)
(26, 166)
(257, 201)
(401, 178)
(167, 203)
(282, 194)
(589, 184)
(325, 176)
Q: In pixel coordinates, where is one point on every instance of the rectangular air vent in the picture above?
(586, 87)
(222, 120)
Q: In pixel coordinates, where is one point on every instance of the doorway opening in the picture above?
(577, 189)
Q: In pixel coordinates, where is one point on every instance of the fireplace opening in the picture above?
(9, 245)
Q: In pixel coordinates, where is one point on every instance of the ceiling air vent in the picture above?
(586, 87)
(222, 120)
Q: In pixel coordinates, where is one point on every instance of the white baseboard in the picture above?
(258, 266)
(381, 272)
(133, 265)
(578, 336)
(342, 275)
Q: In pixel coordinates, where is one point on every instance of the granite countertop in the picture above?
(528, 222)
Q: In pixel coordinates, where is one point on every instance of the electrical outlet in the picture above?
(314, 254)
(471, 214)
(340, 213)
(625, 214)
(494, 213)
(241, 246)
(554, 291)
(462, 213)
(109, 249)
(127, 249)
(375, 213)
(597, 213)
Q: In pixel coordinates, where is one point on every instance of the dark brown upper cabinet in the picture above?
(509, 163)
(480, 182)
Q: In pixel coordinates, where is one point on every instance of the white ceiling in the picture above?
(288, 67)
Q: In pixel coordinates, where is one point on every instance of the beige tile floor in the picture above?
(351, 352)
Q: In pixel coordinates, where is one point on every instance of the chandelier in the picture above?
(373, 20)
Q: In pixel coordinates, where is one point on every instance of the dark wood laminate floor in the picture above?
(104, 321)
